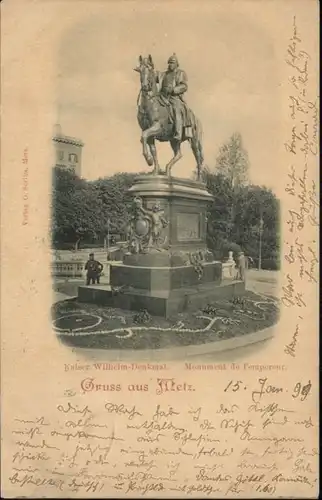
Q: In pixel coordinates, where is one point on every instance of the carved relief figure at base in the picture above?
(145, 230)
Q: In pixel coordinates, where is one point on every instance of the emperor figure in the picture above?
(173, 84)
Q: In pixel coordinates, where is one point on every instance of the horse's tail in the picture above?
(199, 138)
(196, 138)
(197, 143)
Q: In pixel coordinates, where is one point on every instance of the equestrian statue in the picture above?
(164, 115)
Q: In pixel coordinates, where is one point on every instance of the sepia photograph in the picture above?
(165, 224)
(160, 249)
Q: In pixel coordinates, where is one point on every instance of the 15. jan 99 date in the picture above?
(263, 387)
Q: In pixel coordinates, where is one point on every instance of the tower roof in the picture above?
(60, 137)
(68, 140)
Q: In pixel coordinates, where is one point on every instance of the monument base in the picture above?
(163, 278)
(168, 268)
(161, 303)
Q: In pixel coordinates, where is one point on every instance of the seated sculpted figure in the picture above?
(173, 84)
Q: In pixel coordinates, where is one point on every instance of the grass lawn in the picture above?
(90, 326)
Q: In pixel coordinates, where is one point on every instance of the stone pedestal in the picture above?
(168, 268)
(161, 303)
(184, 203)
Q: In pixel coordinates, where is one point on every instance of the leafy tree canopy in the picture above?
(232, 161)
(85, 209)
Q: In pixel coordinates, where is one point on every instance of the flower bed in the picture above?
(91, 326)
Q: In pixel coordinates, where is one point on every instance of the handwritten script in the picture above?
(255, 440)
(301, 255)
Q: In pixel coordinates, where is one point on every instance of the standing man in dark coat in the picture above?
(94, 269)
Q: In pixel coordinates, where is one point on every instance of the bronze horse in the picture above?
(155, 122)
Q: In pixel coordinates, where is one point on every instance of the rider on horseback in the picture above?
(163, 114)
(173, 83)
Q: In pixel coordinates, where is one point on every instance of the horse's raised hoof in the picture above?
(149, 160)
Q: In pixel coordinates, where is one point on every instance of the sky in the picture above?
(233, 82)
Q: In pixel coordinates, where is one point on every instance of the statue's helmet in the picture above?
(174, 59)
(137, 201)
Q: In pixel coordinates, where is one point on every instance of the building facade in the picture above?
(68, 151)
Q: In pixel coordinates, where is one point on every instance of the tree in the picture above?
(232, 161)
(219, 211)
(113, 201)
(74, 214)
(254, 203)
(81, 209)
(241, 232)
